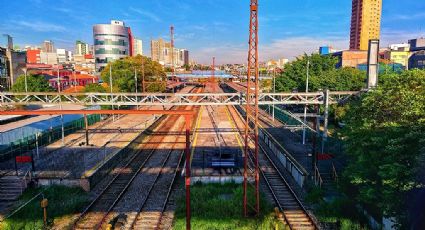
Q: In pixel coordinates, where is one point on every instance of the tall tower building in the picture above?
(81, 48)
(365, 23)
(48, 46)
(137, 47)
(111, 42)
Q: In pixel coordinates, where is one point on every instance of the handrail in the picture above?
(24, 182)
(334, 173)
(317, 177)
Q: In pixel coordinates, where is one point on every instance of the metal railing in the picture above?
(152, 99)
(317, 177)
(334, 173)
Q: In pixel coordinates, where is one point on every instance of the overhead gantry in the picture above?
(170, 99)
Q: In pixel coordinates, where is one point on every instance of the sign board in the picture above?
(23, 159)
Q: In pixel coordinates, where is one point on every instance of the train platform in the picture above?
(216, 147)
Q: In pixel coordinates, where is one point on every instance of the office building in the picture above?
(48, 46)
(33, 56)
(350, 58)
(365, 23)
(81, 48)
(4, 73)
(64, 56)
(417, 44)
(161, 52)
(48, 58)
(417, 60)
(137, 47)
(111, 42)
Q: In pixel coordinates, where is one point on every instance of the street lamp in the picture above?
(305, 106)
(274, 89)
(110, 84)
(60, 106)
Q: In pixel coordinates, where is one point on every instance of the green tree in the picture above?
(384, 136)
(94, 88)
(322, 75)
(123, 72)
(35, 83)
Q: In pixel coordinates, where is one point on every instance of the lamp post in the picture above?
(305, 106)
(60, 107)
(274, 89)
(26, 85)
(135, 84)
(110, 84)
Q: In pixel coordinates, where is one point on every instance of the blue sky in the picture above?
(208, 28)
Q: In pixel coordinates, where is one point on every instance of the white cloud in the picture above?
(279, 48)
(40, 26)
(147, 14)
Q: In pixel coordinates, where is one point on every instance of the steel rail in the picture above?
(288, 187)
(86, 211)
(140, 208)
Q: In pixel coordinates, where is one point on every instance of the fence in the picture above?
(48, 132)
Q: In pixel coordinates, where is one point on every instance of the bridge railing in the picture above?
(152, 99)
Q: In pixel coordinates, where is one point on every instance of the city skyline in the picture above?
(209, 28)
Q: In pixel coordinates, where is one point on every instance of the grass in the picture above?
(340, 211)
(219, 206)
(63, 202)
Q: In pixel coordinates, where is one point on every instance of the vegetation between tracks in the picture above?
(219, 206)
(63, 203)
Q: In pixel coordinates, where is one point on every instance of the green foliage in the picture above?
(94, 88)
(35, 83)
(123, 72)
(217, 206)
(63, 201)
(322, 75)
(385, 139)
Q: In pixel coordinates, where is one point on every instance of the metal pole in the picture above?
(60, 107)
(187, 174)
(274, 89)
(75, 80)
(325, 125)
(36, 145)
(110, 85)
(135, 84)
(86, 124)
(143, 74)
(26, 86)
(305, 106)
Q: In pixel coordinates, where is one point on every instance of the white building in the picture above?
(48, 58)
(64, 56)
(82, 48)
(137, 47)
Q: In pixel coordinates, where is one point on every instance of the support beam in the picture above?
(86, 125)
(187, 171)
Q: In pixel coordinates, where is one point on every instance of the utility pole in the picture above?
(110, 85)
(26, 85)
(143, 75)
(135, 84)
(60, 107)
(172, 50)
(305, 106)
(213, 74)
(274, 89)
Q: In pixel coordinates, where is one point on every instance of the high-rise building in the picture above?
(111, 42)
(137, 47)
(365, 23)
(48, 46)
(161, 52)
(64, 56)
(81, 48)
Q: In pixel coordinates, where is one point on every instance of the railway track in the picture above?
(98, 212)
(295, 214)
